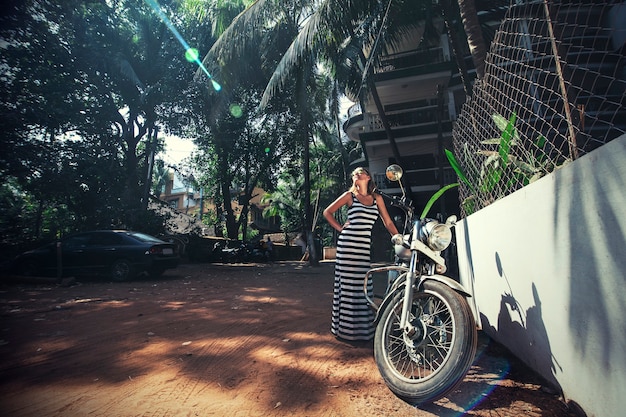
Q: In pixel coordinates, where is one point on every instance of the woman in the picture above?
(352, 318)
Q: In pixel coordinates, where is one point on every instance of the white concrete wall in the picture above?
(547, 267)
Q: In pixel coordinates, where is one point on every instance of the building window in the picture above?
(173, 203)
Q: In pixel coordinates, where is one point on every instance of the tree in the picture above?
(265, 18)
(287, 202)
(247, 146)
(477, 46)
(80, 85)
(326, 32)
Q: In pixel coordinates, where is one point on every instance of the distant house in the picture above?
(183, 198)
(180, 196)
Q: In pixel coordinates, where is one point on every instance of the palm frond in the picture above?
(127, 71)
(243, 28)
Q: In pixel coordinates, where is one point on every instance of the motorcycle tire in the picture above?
(432, 362)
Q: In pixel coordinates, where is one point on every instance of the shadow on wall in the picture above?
(594, 219)
(515, 322)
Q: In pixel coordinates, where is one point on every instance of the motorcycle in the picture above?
(426, 336)
(223, 252)
(239, 252)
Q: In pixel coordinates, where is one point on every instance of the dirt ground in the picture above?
(218, 340)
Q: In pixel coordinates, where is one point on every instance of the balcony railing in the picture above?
(411, 59)
(418, 178)
(408, 118)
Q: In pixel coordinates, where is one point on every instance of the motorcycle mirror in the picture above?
(394, 172)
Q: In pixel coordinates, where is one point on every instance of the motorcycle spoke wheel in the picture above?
(423, 354)
(427, 363)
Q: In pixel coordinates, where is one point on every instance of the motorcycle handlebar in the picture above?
(395, 201)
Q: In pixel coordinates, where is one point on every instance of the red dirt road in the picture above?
(217, 340)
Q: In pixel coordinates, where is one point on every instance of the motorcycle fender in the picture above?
(449, 282)
(401, 282)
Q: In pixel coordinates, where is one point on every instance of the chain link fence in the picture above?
(554, 90)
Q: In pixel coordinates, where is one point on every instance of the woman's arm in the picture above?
(329, 212)
(384, 215)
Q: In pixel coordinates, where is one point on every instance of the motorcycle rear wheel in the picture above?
(429, 364)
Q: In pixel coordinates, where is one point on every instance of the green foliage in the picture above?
(88, 84)
(287, 203)
(486, 184)
(496, 163)
(17, 211)
(493, 166)
(80, 85)
(457, 168)
(210, 218)
(435, 197)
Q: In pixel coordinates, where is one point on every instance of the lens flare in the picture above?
(191, 54)
(157, 9)
(235, 110)
(500, 371)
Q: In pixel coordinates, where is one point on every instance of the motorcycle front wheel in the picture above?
(426, 365)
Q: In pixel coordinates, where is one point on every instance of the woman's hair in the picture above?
(371, 185)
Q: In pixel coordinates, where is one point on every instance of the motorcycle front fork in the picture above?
(407, 301)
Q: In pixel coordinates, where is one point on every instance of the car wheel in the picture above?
(121, 270)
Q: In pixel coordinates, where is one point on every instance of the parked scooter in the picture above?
(236, 251)
(222, 252)
(426, 335)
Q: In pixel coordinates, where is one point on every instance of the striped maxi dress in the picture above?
(352, 318)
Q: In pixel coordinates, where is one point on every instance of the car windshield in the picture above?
(144, 238)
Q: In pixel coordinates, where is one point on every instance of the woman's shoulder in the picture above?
(348, 197)
(345, 198)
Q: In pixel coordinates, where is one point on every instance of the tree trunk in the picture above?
(308, 224)
(150, 151)
(345, 158)
(453, 36)
(232, 227)
(379, 106)
(474, 34)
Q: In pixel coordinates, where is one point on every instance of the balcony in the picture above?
(408, 118)
(424, 179)
(412, 122)
(411, 59)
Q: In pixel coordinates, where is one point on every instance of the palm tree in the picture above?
(270, 23)
(286, 202)
(474, 33)
(330, 31)
(345, 35)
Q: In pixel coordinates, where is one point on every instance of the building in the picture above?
(421, 93)
(184, 199)
(181, 196)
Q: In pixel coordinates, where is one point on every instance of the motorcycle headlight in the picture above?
(438, 235)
